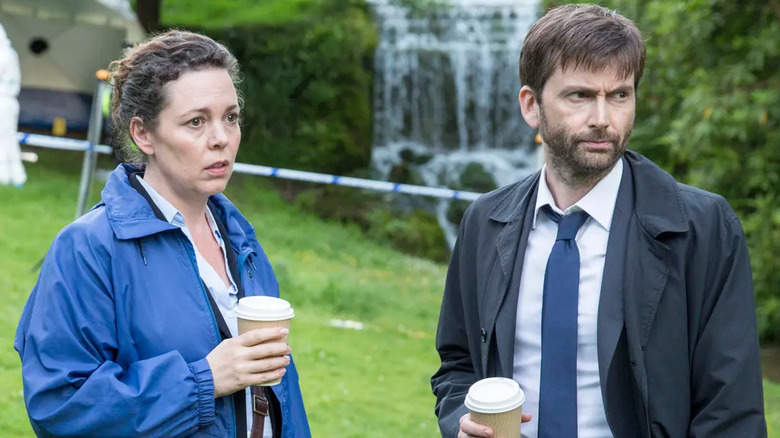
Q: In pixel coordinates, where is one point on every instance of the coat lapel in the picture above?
(610, 315)
(516, 213)
(657, 211)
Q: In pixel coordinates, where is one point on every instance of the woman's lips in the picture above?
(219, 168)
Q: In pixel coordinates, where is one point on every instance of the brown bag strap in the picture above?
(259, 411)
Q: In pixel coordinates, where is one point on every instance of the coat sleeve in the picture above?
(456, 373)
(67, 342)
(726, 386)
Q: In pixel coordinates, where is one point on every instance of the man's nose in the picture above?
(598, 114)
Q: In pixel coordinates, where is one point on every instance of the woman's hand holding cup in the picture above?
(257, 357)
(260, 352)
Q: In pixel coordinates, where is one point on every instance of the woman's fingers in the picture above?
(254, 358)
(264, 365)
(260, 336)
(263, 351)
(266, 377)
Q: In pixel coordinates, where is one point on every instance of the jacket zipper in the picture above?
(194, 264)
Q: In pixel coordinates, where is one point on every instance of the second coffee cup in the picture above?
(264, 312)
(497, 402)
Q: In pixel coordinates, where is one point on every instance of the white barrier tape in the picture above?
(252, 169)
(61, 143)
(382, 186)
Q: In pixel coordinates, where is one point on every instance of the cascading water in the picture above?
(445, 95)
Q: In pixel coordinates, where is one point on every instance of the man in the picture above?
(620, 300)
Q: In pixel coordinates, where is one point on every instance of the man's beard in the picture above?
(568, 156)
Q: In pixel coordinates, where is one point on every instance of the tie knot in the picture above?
(568, 225)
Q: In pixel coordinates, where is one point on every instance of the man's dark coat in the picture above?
(677, 340)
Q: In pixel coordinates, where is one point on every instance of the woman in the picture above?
(130, 330)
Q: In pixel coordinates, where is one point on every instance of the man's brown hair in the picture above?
(581, 35)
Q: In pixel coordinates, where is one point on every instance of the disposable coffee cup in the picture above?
(264, 312)
(497, 402)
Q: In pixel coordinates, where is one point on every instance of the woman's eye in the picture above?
(232, 118)
(196, 122)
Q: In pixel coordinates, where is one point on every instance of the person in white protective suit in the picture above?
(11, 168)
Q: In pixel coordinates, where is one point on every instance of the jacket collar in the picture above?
(131, 215)
(510, 207)
(658, 204)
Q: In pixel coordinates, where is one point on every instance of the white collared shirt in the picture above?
(226, 296)
(591, 240)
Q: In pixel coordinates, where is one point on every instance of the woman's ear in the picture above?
(141, 136)
(529, 106)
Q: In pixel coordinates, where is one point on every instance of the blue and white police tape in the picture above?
(68, 144)
(252, 169)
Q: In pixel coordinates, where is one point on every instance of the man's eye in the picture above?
(196, 122)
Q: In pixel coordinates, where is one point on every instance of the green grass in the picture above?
(772, 406)
(368, 383)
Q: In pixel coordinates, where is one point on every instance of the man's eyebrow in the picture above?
(578, 89)
(594, 90)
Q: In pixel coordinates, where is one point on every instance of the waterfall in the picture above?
(445, 95)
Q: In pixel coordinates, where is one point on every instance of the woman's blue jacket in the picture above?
(114, 336)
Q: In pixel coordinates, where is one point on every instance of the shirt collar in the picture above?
(172, 215)
(599, 202)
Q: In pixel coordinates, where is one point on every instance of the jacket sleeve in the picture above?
(67, 342)
(726, 386)
(456, 373)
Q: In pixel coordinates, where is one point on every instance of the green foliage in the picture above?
(708, 112)
(221, 13)
(307, 83)
(415, 232)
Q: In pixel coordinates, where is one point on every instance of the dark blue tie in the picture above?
(558, 383)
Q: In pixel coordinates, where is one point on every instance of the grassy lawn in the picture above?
(772, 404)
(372, 382)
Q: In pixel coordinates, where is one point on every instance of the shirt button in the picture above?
(483, 335)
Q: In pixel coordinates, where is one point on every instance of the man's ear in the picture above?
(141, 136)
(529, 106)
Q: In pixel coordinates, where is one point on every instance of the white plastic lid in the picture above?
(262, 308)
(494, 395)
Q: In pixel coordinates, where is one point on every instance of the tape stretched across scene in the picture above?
(253, 169)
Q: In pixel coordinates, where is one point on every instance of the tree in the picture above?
(148, 12)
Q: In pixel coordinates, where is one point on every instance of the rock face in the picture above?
(445, 96)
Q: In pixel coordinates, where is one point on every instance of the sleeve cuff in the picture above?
(205, 392)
